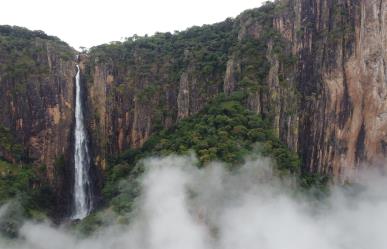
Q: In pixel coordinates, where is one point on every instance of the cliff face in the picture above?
(316, 69)
(342, 79)
(135, 87)
(145, 84)
(36, 99)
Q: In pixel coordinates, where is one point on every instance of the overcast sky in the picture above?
(93, 22)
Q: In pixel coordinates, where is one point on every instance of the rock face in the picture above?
(342, 79)
(315, 68)
(146, 83)
(36, 98)
(136, 87)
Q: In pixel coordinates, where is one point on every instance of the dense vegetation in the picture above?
(17, 178)
(208, 45)
(9, 145)
(20, 51)
(23, 33)
(23, 184)
(204, 50)
(224, 130)
(29, 193)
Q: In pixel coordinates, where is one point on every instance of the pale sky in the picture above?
(93, 22)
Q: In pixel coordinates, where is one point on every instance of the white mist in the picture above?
(182, 207)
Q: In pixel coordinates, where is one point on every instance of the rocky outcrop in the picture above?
(183, 96)
(231, 77)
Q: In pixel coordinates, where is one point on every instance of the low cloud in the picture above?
(181, 206)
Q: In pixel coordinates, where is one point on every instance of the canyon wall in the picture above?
(36, 98)
(147, 83)
(342, 80)
(316, 69)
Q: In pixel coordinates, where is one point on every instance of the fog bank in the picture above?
(181, 206)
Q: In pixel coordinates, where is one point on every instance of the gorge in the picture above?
(308, 76)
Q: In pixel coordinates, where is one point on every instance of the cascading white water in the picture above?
(82, 190)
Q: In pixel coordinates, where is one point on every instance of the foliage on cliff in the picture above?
(151, 82)
(21, 181)
(208, 45)
(9, 145)
(157, 78)
(158, 61)
(20, 50)
(24, 191)
(223, 131)
(25, 194)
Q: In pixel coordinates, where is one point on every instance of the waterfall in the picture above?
(82, 188)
